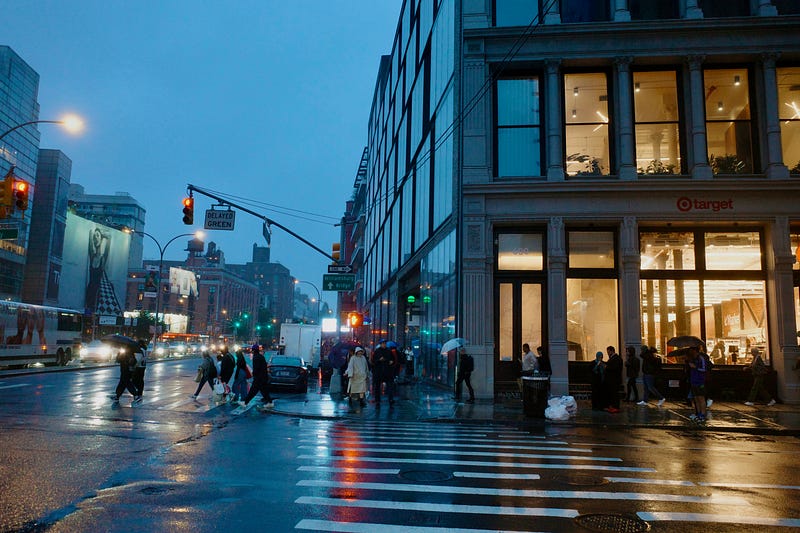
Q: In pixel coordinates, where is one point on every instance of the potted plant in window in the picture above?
(795, 169)
(726, 164)
(592, 166)
(657, 167)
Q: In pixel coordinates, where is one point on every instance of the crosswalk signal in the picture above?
(21, 190)
(336, 252)
(188, 211)
(354, 320)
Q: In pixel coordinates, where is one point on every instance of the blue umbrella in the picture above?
(338, 354)
(391, 344)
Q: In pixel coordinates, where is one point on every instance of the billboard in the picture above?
(94, 267)
(182, 282)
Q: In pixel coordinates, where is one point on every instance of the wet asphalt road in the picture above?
(70, 461)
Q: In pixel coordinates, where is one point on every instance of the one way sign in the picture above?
(339, 269)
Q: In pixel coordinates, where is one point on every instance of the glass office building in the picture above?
(575, 174)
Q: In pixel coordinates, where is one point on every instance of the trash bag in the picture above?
(561, 408)
(556, 412)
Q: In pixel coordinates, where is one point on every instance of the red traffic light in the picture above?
(21, 190)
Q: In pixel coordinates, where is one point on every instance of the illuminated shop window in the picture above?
(587, 124)
(591, 249)
(728, 125)
(519, 251)
(789, 114)
(655, 99)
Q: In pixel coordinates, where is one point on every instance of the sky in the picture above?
(262, 101)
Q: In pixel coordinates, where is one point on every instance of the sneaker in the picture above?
(709, 403)
(241, 403)
(270, 405)
(113, 397)
(751, 404)
(771, 403)
(693, 417)
(641, 403)
(193, 396)
(661, 402)
(136, 400)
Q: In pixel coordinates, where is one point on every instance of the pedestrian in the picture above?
(466, 364)
(613, 379)
(697, 382)
(126, 361)
(543, 361)
(651, 366)
(598, 378)
(357, 370)
(260, 381)
(529, 362)
(759, 369)
(632, 367)
(208, 372)
(240, 377)
(139, 368)
(227, 367)
(382, 372)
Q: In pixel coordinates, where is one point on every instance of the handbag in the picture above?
(220, 387)
(248, 374)
(199, 377)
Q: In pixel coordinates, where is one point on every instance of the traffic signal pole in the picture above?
(268, 221)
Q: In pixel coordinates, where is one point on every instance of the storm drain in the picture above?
(612, 523)
(151, 490)
(425, 475)
(580, 480)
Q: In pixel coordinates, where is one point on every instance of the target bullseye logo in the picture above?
(684, 204)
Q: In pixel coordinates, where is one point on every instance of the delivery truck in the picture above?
(301, 340)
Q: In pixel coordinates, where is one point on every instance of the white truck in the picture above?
(301, 340)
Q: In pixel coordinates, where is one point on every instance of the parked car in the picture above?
(178, 349)
(98, 351)
(288, 371)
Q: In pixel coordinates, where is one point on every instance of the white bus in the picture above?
(38, 334)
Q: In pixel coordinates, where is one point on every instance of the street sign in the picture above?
(339, 269)
(9, 233)
(338, 282)
(224, 220)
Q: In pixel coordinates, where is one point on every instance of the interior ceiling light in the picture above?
(575, 92)
(637, 87)
(719, 106)
(736, 80)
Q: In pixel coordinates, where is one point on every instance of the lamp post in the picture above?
(71, 122)
(297, 282)
(161, 250)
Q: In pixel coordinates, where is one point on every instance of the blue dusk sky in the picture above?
(263, 101)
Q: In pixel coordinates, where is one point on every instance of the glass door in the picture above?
(519, 312)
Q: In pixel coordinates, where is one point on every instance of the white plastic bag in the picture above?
(556, 412)
(570, 403)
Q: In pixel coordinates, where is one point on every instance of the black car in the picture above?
(288, 371)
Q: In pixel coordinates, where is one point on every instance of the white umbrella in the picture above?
(453, 344)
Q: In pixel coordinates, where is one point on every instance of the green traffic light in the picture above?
(236, 324)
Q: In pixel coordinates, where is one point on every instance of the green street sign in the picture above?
(9, 233)
(338, 282)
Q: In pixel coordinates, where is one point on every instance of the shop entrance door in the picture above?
(519, 321)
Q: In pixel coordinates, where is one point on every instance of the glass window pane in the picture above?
(653, 9)
(587, 150)
(519, 251)
(797, 307)
(724, 8)
(517, 102)
(733, 251)
(796, 251)
(518, 152)
(727, 94)
(591, 249)
(532, 314)
(667, 251)
(787, 7)
(788, 93)
(729, 147)
(586, 98)
(669, 308)
(658, 148)
(655, 96)
(736, 315)
(584, 10)
(505, 322)
(515, 12)
(790, 138)
(591, 316)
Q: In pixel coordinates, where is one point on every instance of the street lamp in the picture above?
(72, 123)
(297, 282)
(161, 249)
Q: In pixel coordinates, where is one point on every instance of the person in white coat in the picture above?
(357, 370)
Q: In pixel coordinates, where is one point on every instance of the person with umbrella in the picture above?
(383, 365)
(127, 363)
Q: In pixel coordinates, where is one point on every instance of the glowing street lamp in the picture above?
(71, 123)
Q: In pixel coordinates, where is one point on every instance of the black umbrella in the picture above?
(122, 341)
(686, 341)
(338, 354)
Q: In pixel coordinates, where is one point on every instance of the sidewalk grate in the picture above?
(612, 523)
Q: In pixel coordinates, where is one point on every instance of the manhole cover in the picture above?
(612, 523)
(155, 490)
(580, 480)
(425, 475)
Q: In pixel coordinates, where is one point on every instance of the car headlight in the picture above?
(160, 351)
(83, 352)
(105, 352)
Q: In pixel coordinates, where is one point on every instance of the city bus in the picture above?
(32, 334)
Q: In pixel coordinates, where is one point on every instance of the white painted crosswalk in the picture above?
(417, 477)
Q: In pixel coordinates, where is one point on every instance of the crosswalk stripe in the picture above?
(348, 470)
(490, 475)
(650, 481)
(350, 441)
(718, 499)
(440, 507)
(719, 518)
(750, 486)
(436, 437)
(363, 527)
(498, 464)
(462, 452)
(16, 386)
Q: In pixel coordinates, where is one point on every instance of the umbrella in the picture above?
(453, 344)
(122, 341)
(391, 344)
(686, 341)
(338, 354)
(681, 352)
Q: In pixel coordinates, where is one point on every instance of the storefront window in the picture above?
(531, 327)
(587, 124)
(519, 251)
(591, 249)
(667, 311)
(733, 251)
(667, 251)
(505, 319)
(795, 237)
(655, 98)
(728, 121)
(789, 114)
(515, 12)
(518, 128)
(437, 308)
(591, 317)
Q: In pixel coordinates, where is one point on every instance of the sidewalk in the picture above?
(424, 402)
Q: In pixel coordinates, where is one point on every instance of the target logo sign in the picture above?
(686, 204)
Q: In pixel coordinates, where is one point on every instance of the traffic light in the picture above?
(188, 211)
(21, 190)
(6, 195)
(336, 252)
(354, 320)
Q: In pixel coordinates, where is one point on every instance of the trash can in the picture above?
(534, 395)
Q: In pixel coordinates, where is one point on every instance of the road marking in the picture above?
(489, 475)
(428, 438)
(463, 452)
(14, 386)
(720, 518)
(350, 441)
(750, 486)
(718, 499)
(348, 470)
(363, 527)
(542, 466)
(439, 507)
(650, 481)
